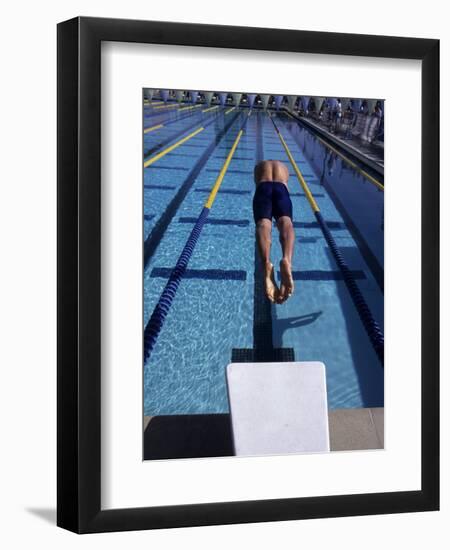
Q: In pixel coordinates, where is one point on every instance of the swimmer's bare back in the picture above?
(271, 170)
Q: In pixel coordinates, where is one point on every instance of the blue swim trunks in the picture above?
(271, 200)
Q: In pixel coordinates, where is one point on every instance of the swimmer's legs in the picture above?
(264, 240)
(287, 239)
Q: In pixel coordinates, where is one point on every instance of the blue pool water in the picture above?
(216, 308)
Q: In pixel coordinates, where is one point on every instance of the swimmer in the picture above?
(272, 200)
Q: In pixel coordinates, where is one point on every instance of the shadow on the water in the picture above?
(188, 436)
(281, 325)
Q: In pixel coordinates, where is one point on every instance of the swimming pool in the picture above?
(219, 310)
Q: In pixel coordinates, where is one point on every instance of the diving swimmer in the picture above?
(272, 200)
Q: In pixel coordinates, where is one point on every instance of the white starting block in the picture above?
(278, 408)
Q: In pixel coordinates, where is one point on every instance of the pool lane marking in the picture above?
(153, 103)
(160, 227)
(165, 124)
(210, 109)
(300, 177)
(230, 110)
(212, 196)
(164, 303)
(153, 159)
(190, 108)
(209, 119)
(211, 274)
(153, 128)
(348, 161)
(170, 106)
(263, 347)
(372, 328)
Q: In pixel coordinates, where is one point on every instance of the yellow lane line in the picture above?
(230, 110)
(210, 109)
(153, 159)
(348, 161)
(300, 177)
(222, 172)
(152, 128)
(171, 106)
(188, 108)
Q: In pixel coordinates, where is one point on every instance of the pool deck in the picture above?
(209, 435)
(356, 429)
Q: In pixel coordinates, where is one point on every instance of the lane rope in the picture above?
(372, 328)
(164, 303)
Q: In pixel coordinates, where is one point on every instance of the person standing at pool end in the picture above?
(272, 200)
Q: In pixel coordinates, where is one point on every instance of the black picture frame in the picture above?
(79, 276)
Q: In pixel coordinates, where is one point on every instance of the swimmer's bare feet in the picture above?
(287, 282)
(269, 283)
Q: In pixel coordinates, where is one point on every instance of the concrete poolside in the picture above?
(209, 435)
